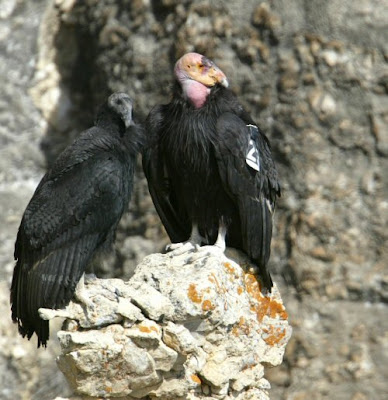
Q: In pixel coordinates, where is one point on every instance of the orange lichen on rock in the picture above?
(229, 268)
(253, 286)
(213, 279)
(207, 305)
(235, 331)
(196, 297)
(265, 304)
(144, 329)
(271, 308)
(147, 329)
(241, 327)
(273, 335)
(240, 290)
(193, 294)
(195, 378)
(244, 326)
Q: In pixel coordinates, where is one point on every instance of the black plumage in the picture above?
(73, 214)
(209, 165)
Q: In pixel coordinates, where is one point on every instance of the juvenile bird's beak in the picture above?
(127, 119)
(122, 104)
(126, 111)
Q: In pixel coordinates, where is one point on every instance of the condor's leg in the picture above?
(220, 242)
(81, 293)
(217, 249)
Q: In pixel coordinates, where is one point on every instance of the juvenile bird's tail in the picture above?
(28, 320)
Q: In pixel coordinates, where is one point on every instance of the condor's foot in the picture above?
(206, 252)
(177, 249)
(191, 244)
(217, 250)
(81, 293)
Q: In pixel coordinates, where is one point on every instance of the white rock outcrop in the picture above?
(183, 327)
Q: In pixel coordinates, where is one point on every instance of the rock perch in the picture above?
(180, 328)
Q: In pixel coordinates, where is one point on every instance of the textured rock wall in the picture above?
(24, 373)
(313, 74)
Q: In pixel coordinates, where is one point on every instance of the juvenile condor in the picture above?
(73, 214)
(209, 167)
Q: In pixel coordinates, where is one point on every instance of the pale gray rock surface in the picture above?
(178, 329)
(24, 373)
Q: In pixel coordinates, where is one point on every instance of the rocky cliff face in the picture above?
(313, 75)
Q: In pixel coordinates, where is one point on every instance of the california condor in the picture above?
(209, 167)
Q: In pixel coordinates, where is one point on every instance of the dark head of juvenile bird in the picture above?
(117, 113)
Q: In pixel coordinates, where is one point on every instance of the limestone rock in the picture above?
(198, 328)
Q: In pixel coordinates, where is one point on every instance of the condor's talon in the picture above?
(177, 249)
(90, 277)
(206, 252)
(176, 246)
(217, 250)
(84, 299)
(173, 246)
(193, 243)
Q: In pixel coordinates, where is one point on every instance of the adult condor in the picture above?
(209, 167)
(73, 215)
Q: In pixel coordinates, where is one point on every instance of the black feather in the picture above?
(73, 213)
(206, 178)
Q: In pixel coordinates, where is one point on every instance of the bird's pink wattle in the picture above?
(195, 91)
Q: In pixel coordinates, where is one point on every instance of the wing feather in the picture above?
(67, 219)
(253, 188)
(175, 221)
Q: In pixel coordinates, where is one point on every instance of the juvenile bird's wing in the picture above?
(71, 213)
(249, 177)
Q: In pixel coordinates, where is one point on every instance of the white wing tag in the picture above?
(252, 157)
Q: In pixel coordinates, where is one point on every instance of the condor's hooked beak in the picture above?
(215, 74)
(199, 68)
(122, 104)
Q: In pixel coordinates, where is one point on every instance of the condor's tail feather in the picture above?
(264, 244)
(28, 322)
(256, 229)
(48, 282)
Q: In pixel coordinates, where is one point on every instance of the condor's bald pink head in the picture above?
(197, 75)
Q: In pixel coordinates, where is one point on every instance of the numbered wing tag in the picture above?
(253, 157)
